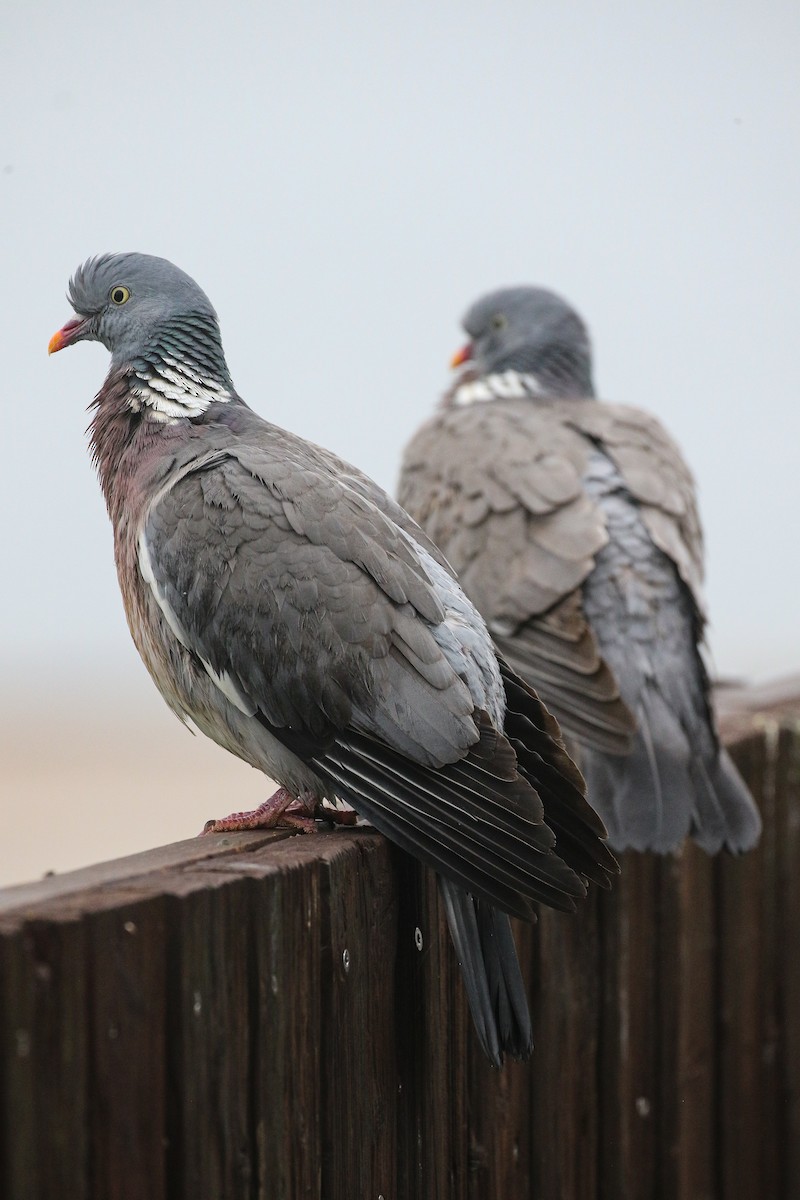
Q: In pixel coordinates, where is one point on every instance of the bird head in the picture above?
(530, 330)
(123, 300)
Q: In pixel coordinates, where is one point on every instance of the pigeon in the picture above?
(293, 612)
(573, 527)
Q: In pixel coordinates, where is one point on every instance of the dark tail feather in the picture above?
(725, 813)
(668, 789)
(646, 797)
(543, 760)
(492, 977)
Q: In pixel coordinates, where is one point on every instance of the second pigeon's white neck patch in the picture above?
(507, 385)
(173, 390)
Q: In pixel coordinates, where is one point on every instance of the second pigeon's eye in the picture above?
(119, 294)
(499, 321)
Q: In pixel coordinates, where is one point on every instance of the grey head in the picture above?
(533, 331)
(137, 305)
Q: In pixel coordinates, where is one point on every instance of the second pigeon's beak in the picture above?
(73, 331)
(461, 356)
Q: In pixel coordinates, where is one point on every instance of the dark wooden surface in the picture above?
(275, 1016)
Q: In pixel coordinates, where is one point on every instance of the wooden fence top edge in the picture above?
(114, 872)
(742, 711)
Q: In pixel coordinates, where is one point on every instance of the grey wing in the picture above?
(350, 476)
(645, 605)
(308, 608)
(658, 478)
(316, 618)
(499, 488)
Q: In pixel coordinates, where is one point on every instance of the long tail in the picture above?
(492, 977)
(668, 788)
(724, 812)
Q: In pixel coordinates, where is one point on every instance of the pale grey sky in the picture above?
(343, 180)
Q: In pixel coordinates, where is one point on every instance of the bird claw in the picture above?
(283, 811)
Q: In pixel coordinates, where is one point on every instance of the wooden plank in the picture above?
(43, 1093)
(127, 1066)
(432, 1037)
(25, 897)
(359, 1080)
(243, 1017)
(323, 1079)
(210, 1149)
(746, 978)
(500, 1105)
(686, 971)
(627, 1090)
(286, 1043)
(564, 1124)
(787, 822)
(769, 1038)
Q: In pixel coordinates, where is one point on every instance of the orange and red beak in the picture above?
(73, 331)
(461, 356)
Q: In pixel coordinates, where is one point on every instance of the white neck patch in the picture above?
(509, 385)
(174, 390)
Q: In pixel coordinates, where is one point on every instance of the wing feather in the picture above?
(499, 487)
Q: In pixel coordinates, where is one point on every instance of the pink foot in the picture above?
(283, 810)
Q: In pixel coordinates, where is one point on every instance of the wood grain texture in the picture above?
(274, 1016)
(626, 1090)
(432, 1045)
(44, 1098)
(564, 1127)
(787, 821)
(503, 1136)
(746, 893)
(687, 1095)
(210, 1032)
(126, 967)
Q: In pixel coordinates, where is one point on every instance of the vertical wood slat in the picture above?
(431, 1022)
(359, 1086)
(209, 1036)
(44, 1136)
(194, 1031)
(626, 1089)
(787, 821)
(285, 1069)
(687, 1032)
(746, 980)
(315, 1054)
(127, 1050)
(564, 1124)
(761, 931)
(503, 1137)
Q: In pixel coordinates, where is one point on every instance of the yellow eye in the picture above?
(499, 321)
(119, 294)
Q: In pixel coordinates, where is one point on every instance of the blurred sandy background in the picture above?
(86, 777)
(343, 180)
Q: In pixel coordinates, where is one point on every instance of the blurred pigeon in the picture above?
(301, 619)
(573, 528)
